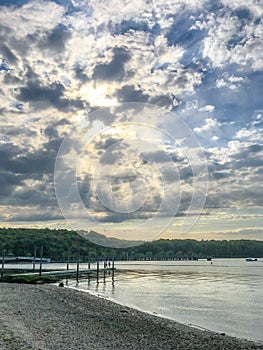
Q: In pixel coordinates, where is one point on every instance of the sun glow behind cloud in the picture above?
(100, 95)
(59, 62)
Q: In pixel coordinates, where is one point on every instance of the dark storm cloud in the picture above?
(12, 130)
(249, 151)
(240, 165)
(129, 25)
(182, 31)
(123, 177)
(63, 121)
(31, 164)
(181, 80)
(162, 101)
(35, 92)
(52, 146)
(105, 144)
(42, 96)
(8, 182)
(8, 54)
(7, 152)
(118, 218)
(247, 163)
(34, 163)
(18, 165)
(84, 190)
(11, 79)
(156, 157)
(30, 75)
(56, 40)
(253, 196)
(177, 158)
(48, 215)
(244, 17)
(105, 115)
(216, 175)
(32, 196)
(186, 173)
(259, 171)
(37, 193)
(128, 93)
(243, 13)
(110, 157)
(113, 70)
(249, 156)
(169, 174)
(13, 49)
(216, 170)
(80, 73)
(51, 132)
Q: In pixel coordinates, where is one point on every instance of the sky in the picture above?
(138, 119)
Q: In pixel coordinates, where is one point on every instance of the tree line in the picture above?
(58, 244)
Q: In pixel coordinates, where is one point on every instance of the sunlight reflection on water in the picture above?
(225, 296)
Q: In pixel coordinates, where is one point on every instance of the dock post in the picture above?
(41, 258)
(98, 268)
(78, 264)
(3, 263)
(104, 270)
(68, 259)
(34, 261)
(89, 261)
(113, 270)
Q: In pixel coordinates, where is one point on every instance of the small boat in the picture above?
(251, 259)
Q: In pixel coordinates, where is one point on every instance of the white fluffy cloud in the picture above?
(233, 39)
(59, 63)
(33, 17)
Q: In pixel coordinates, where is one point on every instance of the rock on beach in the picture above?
(45, 317)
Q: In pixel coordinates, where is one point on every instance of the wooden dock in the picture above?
(73, 273)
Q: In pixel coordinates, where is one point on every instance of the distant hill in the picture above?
(104, 241)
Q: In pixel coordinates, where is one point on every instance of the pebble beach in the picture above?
(43, 317)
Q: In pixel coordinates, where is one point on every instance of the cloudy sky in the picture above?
(180, 84)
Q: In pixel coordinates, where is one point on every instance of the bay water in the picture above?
(225, 296)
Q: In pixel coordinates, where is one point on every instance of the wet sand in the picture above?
(44, 317)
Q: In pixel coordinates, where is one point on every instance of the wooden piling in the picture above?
(98, 270)
(34, 261)
(89, 261)
(78, 258)
(68, 259)
(104, 270)
(3, 263)
(113, 270)
(41, 260)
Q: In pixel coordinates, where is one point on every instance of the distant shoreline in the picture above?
(61, 246)
(49, 317)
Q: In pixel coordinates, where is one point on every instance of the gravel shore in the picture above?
(43, 317)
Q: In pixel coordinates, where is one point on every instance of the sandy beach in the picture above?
(43, 317)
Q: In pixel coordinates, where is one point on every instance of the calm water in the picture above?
(225, 296)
